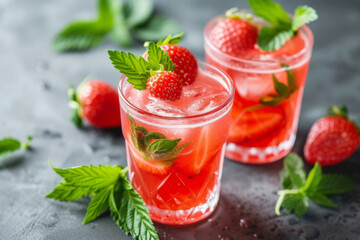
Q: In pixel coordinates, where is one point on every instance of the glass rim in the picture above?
(228, 100)
(307, 48)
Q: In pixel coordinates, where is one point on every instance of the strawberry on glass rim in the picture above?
(267, 54)
(175, 119)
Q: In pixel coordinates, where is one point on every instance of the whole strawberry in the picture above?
(234, 34)
(97, 102)
(332, 139)
(165, 85)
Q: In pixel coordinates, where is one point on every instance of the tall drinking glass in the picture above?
(263, 125)
(182, 186)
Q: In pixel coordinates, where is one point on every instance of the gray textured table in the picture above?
(33, 83)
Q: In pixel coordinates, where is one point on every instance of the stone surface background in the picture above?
(33, 90)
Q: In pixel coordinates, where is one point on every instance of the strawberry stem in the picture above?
(234, 13)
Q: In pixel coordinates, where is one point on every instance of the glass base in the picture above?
(254, 155)
(185, 216)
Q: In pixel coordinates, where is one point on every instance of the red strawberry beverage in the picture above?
(269, 85)
(175, 138)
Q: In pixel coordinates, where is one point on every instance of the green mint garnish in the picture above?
(120, 19)
(283, 27)
(137, 69)
(298, 188)
(10, 145)
(155, 146)
(110, 189)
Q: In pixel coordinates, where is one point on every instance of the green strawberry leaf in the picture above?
(321, 199)
(162, 146)
(67, 192)
(130, 214)
(270, 39)
(157, 27)
(137, 12)
(75, 105)
(98, 204)
(335, 184)
(171, 39)
(297, 203)
(340, 111)
(158, 57)
(303, 15)
(133, 67)
(271, 12)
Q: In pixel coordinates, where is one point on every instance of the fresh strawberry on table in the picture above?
(97, 102)
(332, 139)
(234, 34)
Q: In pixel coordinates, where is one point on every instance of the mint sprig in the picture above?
(282, 26)
(299, 189)
(121, 19)
(137, 69)
(110, 189)
(155, 146)
(10, 145)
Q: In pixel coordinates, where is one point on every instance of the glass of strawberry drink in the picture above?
(269, 85)
(175, 132)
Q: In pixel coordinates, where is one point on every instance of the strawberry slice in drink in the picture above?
(256, 124)
(191, 163)
(149, 166)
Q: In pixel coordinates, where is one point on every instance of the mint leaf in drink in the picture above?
(271, 12)
(10, 145)
(162, 146)
(157, 27)
(115, 192)
(303, 15)
(297, 192)
(282, 26)
(335, 184)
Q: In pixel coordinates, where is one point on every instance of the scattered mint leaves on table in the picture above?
(122, 20)
(110, 189)
(282, 26)
(10, 145)
(299, 189)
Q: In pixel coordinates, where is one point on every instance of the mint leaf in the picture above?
(162, 146)
(134, 68)
(98, 204)
(321, 199)
(270, 39)
(293, 174)
(120, 33)
(91, 177)
(335, 184)
(10, 145)
(157, 27)
(271, 12)
(137, 12)
(303, 15)
(281, 89)
(158, 57)
(313, 178)
(153, 135)
(130, 214)
(67, 192)
(297, 203)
